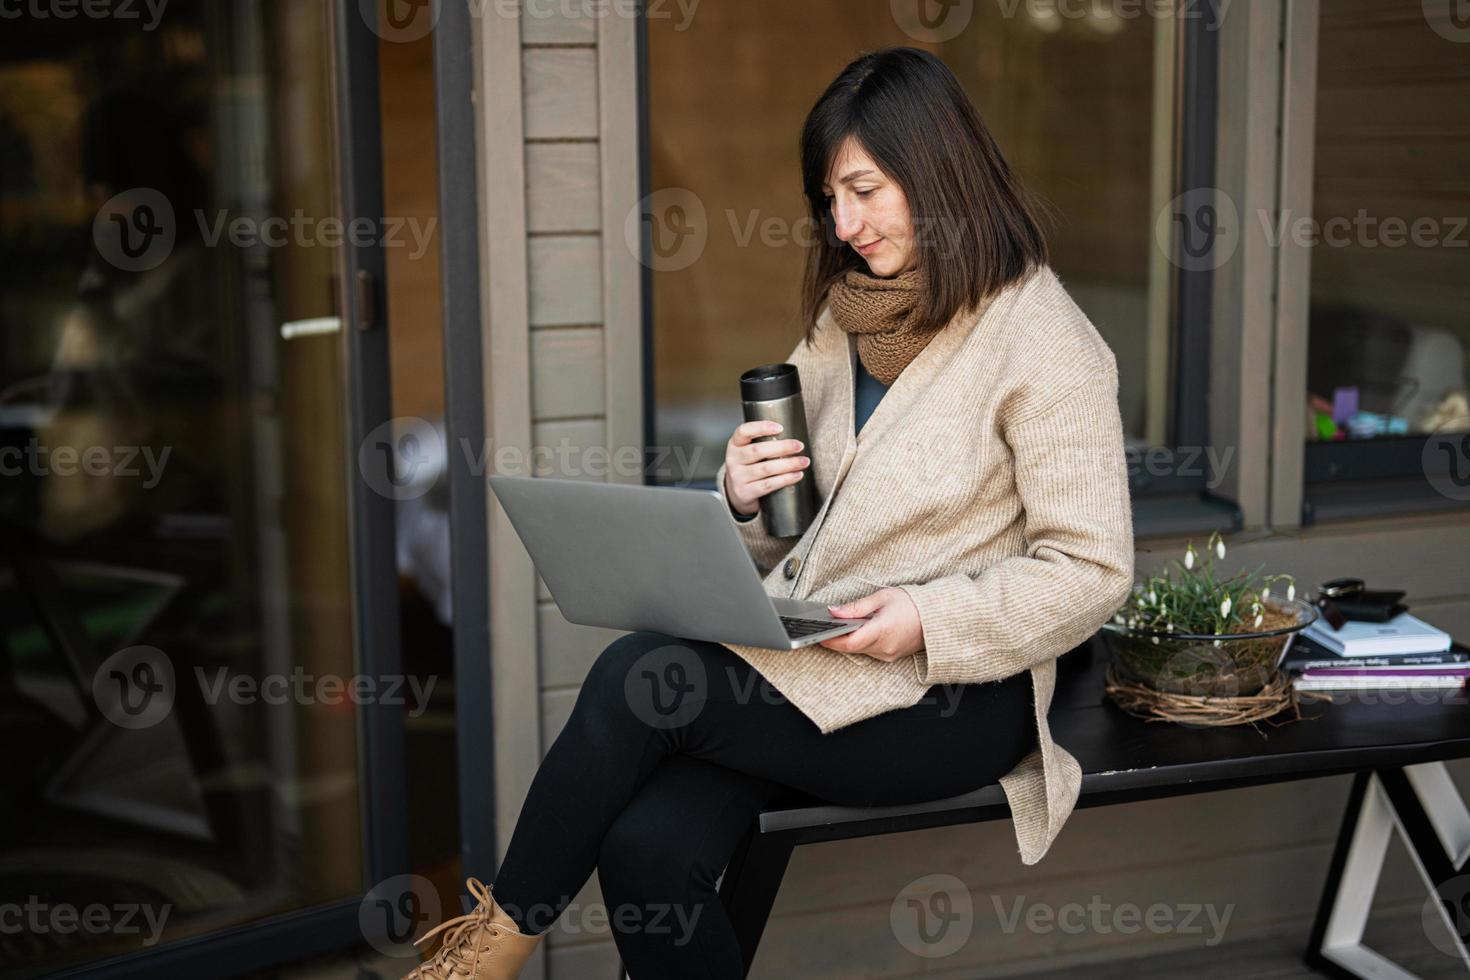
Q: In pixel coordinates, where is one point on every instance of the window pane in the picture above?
(1390, 281)
(1070, 98)
(174, 573)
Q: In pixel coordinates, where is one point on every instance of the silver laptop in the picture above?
(664, 559)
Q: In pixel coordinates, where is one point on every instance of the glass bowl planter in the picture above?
(1207, 664)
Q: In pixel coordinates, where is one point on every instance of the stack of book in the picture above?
(1404, 652)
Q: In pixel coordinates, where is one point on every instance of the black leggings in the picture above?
(672, 749)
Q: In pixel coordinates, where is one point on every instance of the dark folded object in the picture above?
(1373, 606)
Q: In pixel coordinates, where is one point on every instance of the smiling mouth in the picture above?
(865, 249)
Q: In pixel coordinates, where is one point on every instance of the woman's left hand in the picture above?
(894, 630)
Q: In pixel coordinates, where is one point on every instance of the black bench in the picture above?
(1397, 751)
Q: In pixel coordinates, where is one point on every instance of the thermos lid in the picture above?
(769, 382)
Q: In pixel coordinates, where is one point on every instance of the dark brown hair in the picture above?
(974, 227)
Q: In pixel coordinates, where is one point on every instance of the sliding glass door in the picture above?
(200, 696)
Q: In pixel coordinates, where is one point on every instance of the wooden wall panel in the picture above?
(566, 280)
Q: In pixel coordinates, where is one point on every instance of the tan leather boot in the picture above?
(484, 945)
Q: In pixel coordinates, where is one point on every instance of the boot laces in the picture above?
(460, 951)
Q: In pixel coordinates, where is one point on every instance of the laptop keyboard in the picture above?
(797, 628)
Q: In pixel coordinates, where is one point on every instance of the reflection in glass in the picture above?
(1389, 347)
(1071, 100)
(174, 581)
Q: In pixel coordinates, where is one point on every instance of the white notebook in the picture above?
(1402, 634)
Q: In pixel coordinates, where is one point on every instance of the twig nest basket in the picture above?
(1204, 678)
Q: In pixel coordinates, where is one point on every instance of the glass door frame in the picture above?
(331, 926)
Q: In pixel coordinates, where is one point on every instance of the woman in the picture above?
(982, 529)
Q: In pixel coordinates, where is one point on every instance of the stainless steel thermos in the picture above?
(772, 392)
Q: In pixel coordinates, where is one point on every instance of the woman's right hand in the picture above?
(754, 469)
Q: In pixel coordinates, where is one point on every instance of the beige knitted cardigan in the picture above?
(989, 484)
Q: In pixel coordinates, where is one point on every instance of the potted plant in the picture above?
(1199, 636)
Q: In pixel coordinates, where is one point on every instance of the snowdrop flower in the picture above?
(1118, 618)
(1156, 640)
(1266, 594)
(1225, 607)
(1290, 592)
(1220, 549)
(1217, 643)
(1189, 557)
(1259, 617)
(1152, 598)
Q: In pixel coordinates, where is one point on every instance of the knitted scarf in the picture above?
(881, 312)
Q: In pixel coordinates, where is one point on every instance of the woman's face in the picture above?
(871, 212)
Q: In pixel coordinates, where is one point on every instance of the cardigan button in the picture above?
(793, 564)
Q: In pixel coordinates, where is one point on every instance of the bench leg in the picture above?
(748, 890)
(1422, 804)
(749, 885)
